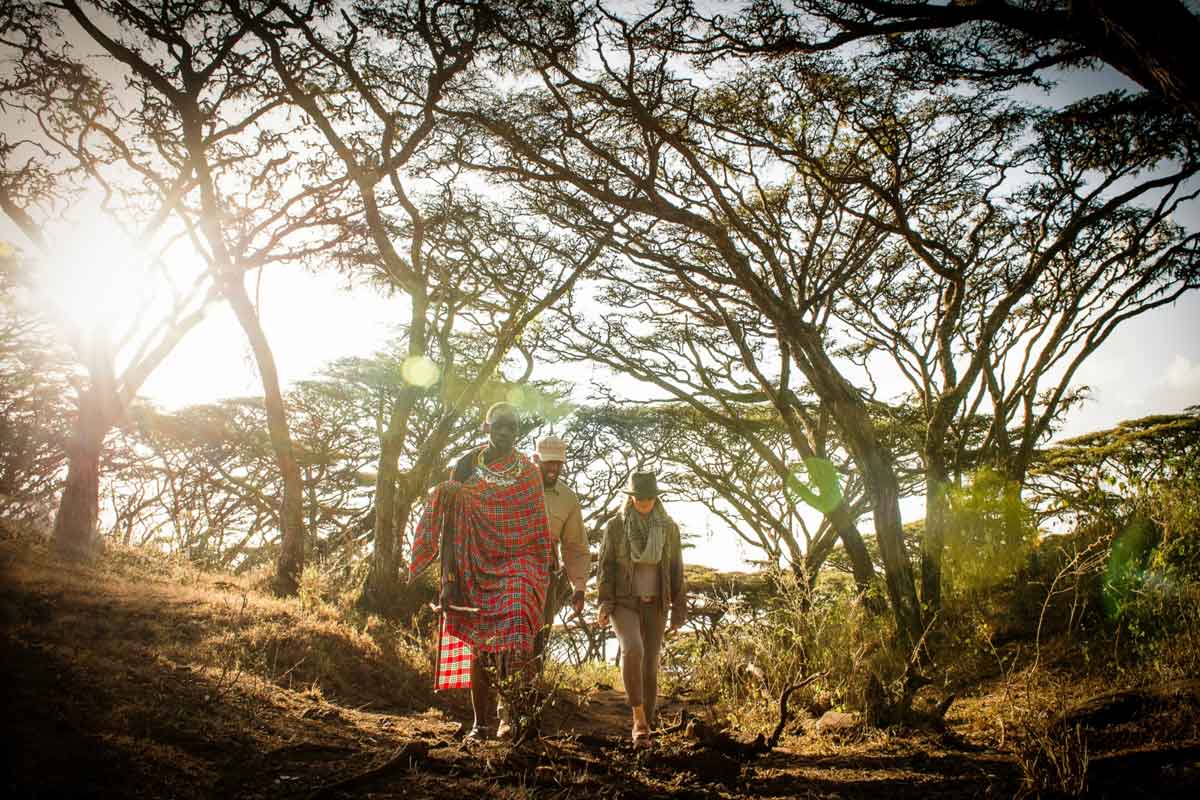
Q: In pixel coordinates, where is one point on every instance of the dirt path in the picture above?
(105, 695)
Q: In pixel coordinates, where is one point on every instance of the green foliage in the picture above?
(1136, 489)
(990, 533)
(1106, 474)
(792, 633)
(1127, 560)
(1152, 586)
(35, 404)
(1175, 507)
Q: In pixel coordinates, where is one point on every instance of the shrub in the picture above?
(797, 632)
(990, 534)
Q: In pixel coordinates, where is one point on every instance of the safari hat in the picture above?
(551, 448)
(642, 484)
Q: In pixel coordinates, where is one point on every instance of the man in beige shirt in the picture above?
(566, 528)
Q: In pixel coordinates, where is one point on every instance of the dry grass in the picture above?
(152, 678)
(218, 625)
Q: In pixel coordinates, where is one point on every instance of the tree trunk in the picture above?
(858, 431)
(394, 503)
(291, 547)
(382, 587)
(856, 550)
(76, 520)
(1152, 42)
(841, 526)
(937, 513)
(889, 532)
(382, 582)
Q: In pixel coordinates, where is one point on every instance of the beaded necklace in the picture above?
(502, 477)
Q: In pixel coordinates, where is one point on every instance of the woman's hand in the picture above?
(602, 619)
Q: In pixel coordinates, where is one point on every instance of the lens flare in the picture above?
(419, 371)
(823, 477)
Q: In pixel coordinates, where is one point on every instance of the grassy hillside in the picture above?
(139, 676)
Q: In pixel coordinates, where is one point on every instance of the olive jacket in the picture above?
(615, 585)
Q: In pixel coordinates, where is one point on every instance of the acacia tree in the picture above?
(198, 482)
(1016, 242)
(35, 384)
(832, 183)
(728, 417)
(216, 145)
(1097, 473)
(464, 265)
(77, 143)
(617, 142)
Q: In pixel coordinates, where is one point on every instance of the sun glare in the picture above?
(99, 283)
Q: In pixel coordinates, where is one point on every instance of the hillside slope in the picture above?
(136, 677)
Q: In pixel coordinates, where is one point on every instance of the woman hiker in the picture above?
(488, 523)
(640, 583)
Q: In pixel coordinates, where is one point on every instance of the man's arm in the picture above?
(575, 555)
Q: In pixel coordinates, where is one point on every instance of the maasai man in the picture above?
(566, 526)
(489, 524)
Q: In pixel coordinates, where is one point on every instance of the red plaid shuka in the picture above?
(501, 558)
(453, 669)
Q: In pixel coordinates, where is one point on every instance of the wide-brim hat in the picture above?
(642, 484)
(551, 448)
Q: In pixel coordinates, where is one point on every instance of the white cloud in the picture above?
(1183, 374)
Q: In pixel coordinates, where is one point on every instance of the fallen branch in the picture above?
(783, 707)
(944, 706)
(586, 739)
(722, 742)
(710, 737)
(679, 726)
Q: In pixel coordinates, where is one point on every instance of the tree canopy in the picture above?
(842, 259)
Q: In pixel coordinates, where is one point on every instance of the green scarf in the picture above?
(646, 534)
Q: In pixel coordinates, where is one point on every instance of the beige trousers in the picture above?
(640, 633)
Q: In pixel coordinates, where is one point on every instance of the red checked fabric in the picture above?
(454, 662)
(503, 550)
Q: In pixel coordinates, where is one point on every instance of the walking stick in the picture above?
(450, 596)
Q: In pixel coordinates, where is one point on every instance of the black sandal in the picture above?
(478, 733)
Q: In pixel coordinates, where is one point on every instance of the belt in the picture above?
(649, 598)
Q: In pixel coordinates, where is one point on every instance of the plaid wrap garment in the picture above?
(502, 550)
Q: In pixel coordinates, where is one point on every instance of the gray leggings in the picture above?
(640, 633)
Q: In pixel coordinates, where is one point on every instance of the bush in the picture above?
(1174, 505)
(796, 632)
(990, 533)
(1053, 761)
